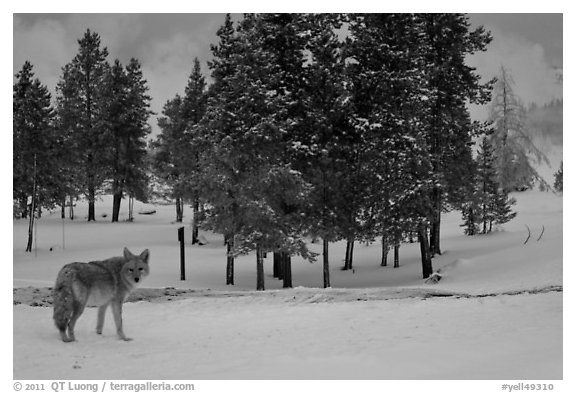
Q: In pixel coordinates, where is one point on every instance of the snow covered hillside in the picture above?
(496, 314)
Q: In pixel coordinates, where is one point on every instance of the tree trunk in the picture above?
(71, 211)
(130, 208)
(229, 260)
(259, 269)
(63, 209)
(435, 228)
(32, 210)
(350, 249)
(287, 270)
(425, 251)
(484, 218)
(397, 255)
(30, 227)
(326, 264)
(117, 200)
(91, 203)
(345, 267)
(277, 268)
(195, 208)
(179, 209)
(349, 254)
(385, 249)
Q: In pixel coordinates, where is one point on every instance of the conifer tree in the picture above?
(487, 184)
(193, 110)
(80, 110)
(176, 150)
(35, 175)
(446, 42)
(503, 208)
(169, 153)
(114, 112)
(219, 178)
(126, 117)
(67, 122)
(479, 195)
(135, 144)
(514, 149)
(388, 89)
(325, 124)
(470, 217)
(285, 37)
(488, 203)
(252, 189)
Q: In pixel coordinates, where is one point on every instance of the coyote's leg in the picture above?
(78, 309)
(101, 315)
(117, 312)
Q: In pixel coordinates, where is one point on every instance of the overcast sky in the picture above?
(529, 45)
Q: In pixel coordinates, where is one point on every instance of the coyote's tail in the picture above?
(63, 299)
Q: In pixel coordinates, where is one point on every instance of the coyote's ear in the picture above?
(127, 253)
(145, 255)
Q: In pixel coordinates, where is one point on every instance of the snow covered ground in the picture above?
(504, 322)
(263, 337)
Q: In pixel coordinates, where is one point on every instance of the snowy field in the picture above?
(497, 313)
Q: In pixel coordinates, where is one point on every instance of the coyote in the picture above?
(98, 283)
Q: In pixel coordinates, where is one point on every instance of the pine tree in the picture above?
(169, 153)
(487, 184)
(478, 199)
(67, 122)
(193, 110)
(136, 146)
(81, 88)
(515, 150)
(488, 203)
(235, 112)
(126, 113)
(273, 188)
(388, 93)
(35, 165)
(219, 179)
(446, 42)
(470, 217)
(114, 112)
(318, 153)
(558, 182)
(284, 39)
(253, 192)
(176, 151)
(503, 208)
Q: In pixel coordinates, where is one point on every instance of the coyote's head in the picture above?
(135, 268)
